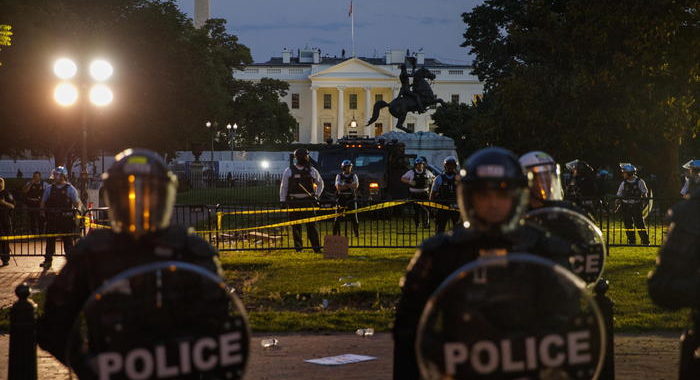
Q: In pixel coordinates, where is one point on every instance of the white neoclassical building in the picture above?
(326, 94)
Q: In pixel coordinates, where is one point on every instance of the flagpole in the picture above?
(352, 28)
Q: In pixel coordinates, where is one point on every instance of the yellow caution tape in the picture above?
(40, 236)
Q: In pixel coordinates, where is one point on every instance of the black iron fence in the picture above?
(271, 226)
(229, 189)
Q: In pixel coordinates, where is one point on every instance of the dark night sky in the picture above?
(267, 26)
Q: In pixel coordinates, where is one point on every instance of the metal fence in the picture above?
(229, 189)
(268, 226)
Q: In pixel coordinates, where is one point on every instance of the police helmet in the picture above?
(60, 170)
(544, 174)
(302, 156)
(493, 169)
(581, 167)
(140, 192)
(626, 167)
(345, 163)
(450, 163)
(419, 160)
(692, 166)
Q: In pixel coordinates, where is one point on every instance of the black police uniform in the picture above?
(420, 192)
(582, 190)
(446, 196)
(675, 282)
(101, 255)
(60, 219)
(33, 202)
(439, 257)
(347, 200)
(300, 195)
(632, 206)
(5, 225)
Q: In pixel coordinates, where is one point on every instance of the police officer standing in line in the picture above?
(418, 180)
(33, 191)
(675, 282)
(545, 186)
(58, 204)
(634, 193)
(7, 204)
(140, 193)
(297, 190)
(492, 193)
(582, 189)
(693, 170)
(444, 191)
(346, 184)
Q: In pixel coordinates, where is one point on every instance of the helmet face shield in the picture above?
(545, 183)
(492, 205)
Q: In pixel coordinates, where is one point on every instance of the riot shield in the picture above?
(587, 258)
(516, 316)
(161, 320)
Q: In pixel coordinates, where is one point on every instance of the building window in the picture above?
(326, 131)
(295, 101)
(456, 72)
(436, 72)
(378, 97)
(327, 101)
(353, 101)
(296, 70)
(378, 129)
(411, 127)
(455, 98)
(274, 71)
(251, 71)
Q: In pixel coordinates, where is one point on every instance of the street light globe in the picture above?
(208, 124)
(101, 95)
(64, 68)
(65, 94)
(101, 70)
(228, 126)
(235, 126)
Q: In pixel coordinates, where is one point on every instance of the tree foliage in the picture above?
(601, 81)
(169, 78)
(5, 36)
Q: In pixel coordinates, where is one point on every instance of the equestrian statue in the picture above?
(416, 97)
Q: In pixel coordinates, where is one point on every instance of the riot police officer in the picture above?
(633, 195)
(7, 204)
(300, 187)
(418, 180)
(675, 282)
(33, 191)
(59, 204)
(444, 191)
(693, 170)
(346, 184)
(492, 193)
(545, 185)
(140, 193)
(582, 189)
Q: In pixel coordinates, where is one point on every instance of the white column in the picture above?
(392, 120)
(314, 116)
(368, 111)
(341, 112)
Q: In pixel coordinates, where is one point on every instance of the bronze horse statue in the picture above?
(402, 105)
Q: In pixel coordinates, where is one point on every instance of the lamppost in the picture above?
(232, 134)
(66, 94)
(208, 124)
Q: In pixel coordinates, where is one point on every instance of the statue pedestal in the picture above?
(196, 178)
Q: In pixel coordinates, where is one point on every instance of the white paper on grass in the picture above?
(341, 359)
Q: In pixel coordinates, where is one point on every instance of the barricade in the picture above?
(32, 227)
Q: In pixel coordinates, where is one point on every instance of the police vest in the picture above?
(631, 189)
(301, 179)
(347, 180)
(421, 180)
(446, 190)
(59, 199)
(36, 190)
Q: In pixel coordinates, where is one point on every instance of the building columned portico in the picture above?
(327, 94)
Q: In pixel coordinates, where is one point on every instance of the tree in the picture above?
(602, 81)
(169, 77)
(5, 36)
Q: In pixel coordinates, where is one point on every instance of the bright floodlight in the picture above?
(265, 164)
(101, 69)
(64, 68)
(235, 126)
(65, 94)
(101, 95)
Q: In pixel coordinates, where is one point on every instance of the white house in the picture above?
(327, 93)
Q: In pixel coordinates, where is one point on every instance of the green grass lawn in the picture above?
(229, 195)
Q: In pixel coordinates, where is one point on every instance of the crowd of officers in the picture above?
(492, 191)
